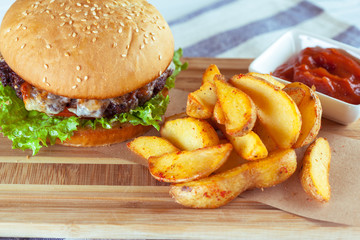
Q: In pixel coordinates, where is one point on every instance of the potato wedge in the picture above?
(185, 166)
(314, 174)
(238, 109)
(200, 104)
(148, 146)
(249, 146)
(265, 137)
(268, 78)
(276, 110)
(218, 114)
(311, 111)
(210, 73)
(189, 133)
(219, 189)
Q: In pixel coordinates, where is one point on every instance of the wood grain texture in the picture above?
(85, 193)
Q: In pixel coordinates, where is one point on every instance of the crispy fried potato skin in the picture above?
(311, 111)
(219, 189)
(314, 174)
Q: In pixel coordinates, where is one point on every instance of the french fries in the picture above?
(276, 110)
(260, 118)
(219, 189)
(238, 109)
(146, 146)
(189, 133)
(184, 166)
(311, 111)
(315, 169)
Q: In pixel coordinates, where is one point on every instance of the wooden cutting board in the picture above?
(85, 193)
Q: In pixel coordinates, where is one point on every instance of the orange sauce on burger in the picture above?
(333, 72)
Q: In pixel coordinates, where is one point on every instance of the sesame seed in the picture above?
(145, 41)
(114, 44)
(52, 17)
(94, 40)
(86, 78)
(122, 24)
(120, 30)
(160, 72)
(78, 68)
(95, 31)
(105, 14)
(127, 46)
(74, 46)
(52, 1)
(16, 39)
(74, 34)
(96, 17)
(78, 10)
(24, 45)
(44, 79)
(73, 87)
(62, 4)
(142, 46)
(85, 5)
(9, 29)
(70, 22)
(136, 30)
(67, 15)
(106, 26)
(48, 46)
(160, 57)
(47, 11)
(92, 9)
(146, 35)
(46, 66)
(48, 84)
(153, 38)
(62, 17)
(83, 20)
(67, 8)
(24, 27)
(128, 17)
(78, 79)
(123, 55)
(67, 54)
(62, 24)
(96, 5)
(78, 4)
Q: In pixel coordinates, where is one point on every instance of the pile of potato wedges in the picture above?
(238, 134)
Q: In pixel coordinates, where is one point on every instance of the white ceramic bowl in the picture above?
(293, 42)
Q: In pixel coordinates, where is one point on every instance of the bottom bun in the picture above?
(88, 137)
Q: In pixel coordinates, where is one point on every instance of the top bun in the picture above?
(93, 49)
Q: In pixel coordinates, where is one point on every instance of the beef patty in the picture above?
(40, 100)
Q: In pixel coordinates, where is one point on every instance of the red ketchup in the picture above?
(333, 72)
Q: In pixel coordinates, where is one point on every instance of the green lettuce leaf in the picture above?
(32, 129)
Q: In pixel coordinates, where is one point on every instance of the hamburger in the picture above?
(85, 72)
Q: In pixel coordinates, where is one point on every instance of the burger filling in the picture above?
(51, 104)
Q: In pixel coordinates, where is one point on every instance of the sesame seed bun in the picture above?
(91, 49)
